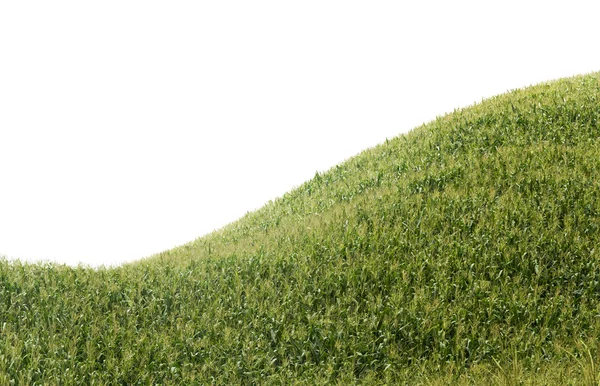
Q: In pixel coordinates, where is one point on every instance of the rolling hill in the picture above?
(465, 252)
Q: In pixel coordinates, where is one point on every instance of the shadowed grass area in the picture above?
(464, 252)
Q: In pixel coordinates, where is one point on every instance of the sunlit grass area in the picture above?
(464, 252)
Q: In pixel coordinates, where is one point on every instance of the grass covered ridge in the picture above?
(466, 251)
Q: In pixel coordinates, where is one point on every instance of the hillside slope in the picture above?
(466, 250)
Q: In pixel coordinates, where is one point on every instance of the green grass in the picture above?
(464, 252)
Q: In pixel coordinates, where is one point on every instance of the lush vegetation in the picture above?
(465, 252)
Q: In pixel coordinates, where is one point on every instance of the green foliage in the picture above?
(464, 252)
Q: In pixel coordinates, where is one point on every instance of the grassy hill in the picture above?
(466, 251)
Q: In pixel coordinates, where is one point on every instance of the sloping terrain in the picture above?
(466, 251)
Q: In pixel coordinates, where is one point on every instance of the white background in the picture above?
(131, 127)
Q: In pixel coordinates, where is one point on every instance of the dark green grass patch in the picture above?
(466, 251)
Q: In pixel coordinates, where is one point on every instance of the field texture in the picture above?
(464, 252)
